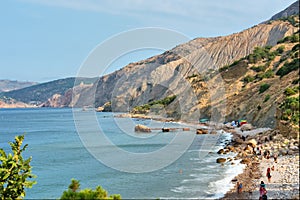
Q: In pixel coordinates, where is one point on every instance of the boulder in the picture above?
(245, 161)
(221, 151)
(201, 131)
(142, 128)
(221, 160)
(252, 143)
(247, 127)
(230, 148)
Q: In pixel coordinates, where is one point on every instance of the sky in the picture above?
(44, 40)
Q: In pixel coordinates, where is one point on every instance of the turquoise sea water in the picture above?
(58, 155)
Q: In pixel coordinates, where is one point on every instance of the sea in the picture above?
(59, 154)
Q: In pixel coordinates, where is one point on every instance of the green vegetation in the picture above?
(222, 69)
(267, 98)
(15, 171)
(263, 87)
(291, 91)
(288, 67)
(143, 109)
(290, 110)
(280, 49)
(248, 79)
(262, 53)
(86, 194)
(260, 68)
(292, 38)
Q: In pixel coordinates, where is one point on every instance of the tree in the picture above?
(98, 193)
(15, 171)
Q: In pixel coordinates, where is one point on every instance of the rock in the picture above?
(248, 148)
(221, 151)
(294, 148)
(165, 130)
(142, 128)
(99, 109)
(247, 127)
(245, 161)
(221, 160)
(201, 131)
(230, 148)
(229, 159)
(252, 143)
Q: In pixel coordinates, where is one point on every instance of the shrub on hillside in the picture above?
(288, 67)
(263, 87)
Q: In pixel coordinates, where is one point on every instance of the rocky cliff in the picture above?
(164, 75)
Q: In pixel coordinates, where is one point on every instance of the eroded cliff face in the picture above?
(166, 74)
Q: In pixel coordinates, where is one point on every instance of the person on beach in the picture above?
(269, 174)
(262, 190)
(240, 188)
(275, 157)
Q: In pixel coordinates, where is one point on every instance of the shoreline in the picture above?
(284, 182)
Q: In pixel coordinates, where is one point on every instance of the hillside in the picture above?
(40, 93)
(8, 85)
(243, 75)
(164, 75)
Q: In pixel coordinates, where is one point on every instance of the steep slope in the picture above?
(164, 75)
(263, 87)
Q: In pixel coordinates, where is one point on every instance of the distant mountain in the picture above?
(40, 93)
(289, 11)
(8, 85)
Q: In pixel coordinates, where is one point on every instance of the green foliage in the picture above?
(295, 81)
(166, 101)
(86, 194)
(260, 68)
(293, 19)
(292, 38)
(144, 109)
(280, 49)
(296, 48)
(222, 69)
(15, 171)
(267, 98)
(290, 110)
(262, 53)
(288, 67)
(248, 79)
(263, 87)
(289, 91)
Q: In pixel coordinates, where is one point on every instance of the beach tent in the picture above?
(204, 120)
(242, 122)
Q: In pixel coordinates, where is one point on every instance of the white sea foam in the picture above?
(220, 187)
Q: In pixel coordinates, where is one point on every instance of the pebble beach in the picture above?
(250, 147)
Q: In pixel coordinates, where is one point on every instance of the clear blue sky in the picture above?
(42, 40)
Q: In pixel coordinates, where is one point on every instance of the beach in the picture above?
(284, 181)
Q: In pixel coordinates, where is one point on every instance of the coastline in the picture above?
(284, 182)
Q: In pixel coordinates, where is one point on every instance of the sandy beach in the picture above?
(284, 182)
